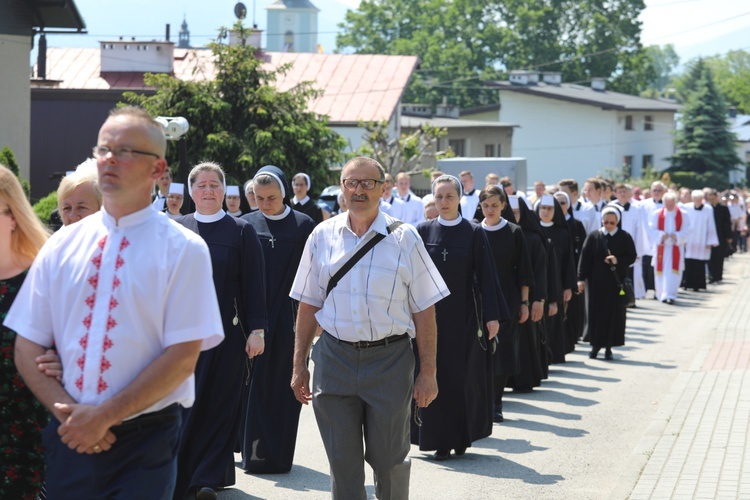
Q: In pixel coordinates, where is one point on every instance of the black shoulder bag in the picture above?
(627, 291)
(357, 256)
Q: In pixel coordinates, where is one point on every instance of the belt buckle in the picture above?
(361, 344)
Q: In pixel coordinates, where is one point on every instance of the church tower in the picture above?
(184, 40)
(292, 26)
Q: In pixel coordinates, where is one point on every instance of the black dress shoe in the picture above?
(205, 493)
(670, 302)
(594, 352)
(459, 451)
(497, 414)
(442, 455)
(608, 354)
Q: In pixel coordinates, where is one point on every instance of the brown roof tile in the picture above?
(354, 87)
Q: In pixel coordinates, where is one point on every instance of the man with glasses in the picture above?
(364, 383)
(115, 309)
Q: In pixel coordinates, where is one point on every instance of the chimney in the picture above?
(41, 60)
(552, 78)
(599, 84)
(533, 77)
(167, 37)
(521, 77)
(140, 57)
(731, 112)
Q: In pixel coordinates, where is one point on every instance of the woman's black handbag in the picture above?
(627, 291)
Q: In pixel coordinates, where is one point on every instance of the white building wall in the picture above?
(639, 142)
(15, 99)
(559, 139)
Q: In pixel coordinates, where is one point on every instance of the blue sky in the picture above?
(695, 27)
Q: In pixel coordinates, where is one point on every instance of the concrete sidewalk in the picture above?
(668, 418)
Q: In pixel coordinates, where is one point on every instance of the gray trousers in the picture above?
(362, 403)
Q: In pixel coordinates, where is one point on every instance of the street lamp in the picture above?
(175, 128)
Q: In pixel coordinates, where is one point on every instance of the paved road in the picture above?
(668, 418)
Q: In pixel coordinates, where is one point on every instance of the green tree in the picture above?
(242, 121)
(704, 144)
(406, 154)
(463, 43)
(664, 60)
(731, 73)
(8, 158)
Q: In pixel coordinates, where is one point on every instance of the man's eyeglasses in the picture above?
(367, 184)
(125, 154)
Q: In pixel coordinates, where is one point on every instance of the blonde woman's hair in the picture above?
(30, 234)
(85, 172)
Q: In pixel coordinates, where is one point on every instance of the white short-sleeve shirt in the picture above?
(377, 297)
(112, 296)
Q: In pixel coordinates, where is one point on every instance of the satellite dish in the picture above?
(240, 10)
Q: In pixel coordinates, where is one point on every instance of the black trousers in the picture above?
(648, 272)
(716, 264)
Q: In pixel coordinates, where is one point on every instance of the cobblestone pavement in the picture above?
(668, 418)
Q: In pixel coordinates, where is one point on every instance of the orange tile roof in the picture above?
(354, 87)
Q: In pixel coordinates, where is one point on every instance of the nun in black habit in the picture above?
(302, 184)
(511, 258)
(210, 427)
(575, 310)
(606, 257)
(462, 412)
(269, 433)
(555, 228)
(532, 335)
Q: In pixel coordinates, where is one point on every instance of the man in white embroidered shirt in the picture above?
(115, 308)
(363, 382)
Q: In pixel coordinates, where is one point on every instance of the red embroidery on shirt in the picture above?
(102, 242)
(91, 300)
(94, 280)
(107, 345)
(82, 361)
(102, 386)
(97, 261)
(79, 383)
(113, 303)
(104, 365)
(119, 263)
(115, 283)
(111, 323)
(124, 244)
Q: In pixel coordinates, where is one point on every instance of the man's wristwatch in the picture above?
(526, 303)
(259, 333)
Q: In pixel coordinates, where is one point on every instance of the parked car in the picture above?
(329, 199)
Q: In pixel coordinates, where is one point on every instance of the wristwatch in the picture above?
(526, 303)
(259, 333)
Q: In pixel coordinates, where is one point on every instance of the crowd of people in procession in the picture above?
(154, 364)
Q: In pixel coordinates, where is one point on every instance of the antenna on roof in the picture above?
(240, 10)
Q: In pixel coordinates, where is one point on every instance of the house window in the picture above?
(288, 41)
(629, 122)
(458, 146)
(648, 162)
(627, 166)
(648, 123)
(499, 150)
(489, 150)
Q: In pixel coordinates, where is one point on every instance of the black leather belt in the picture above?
(146, 420)
(365, 344)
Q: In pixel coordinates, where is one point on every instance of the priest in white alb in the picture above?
(669, 227)
(701, 238)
